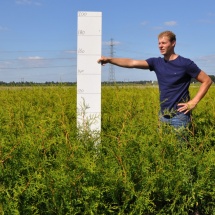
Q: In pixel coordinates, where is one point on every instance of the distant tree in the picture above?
(193, 80)
(212, 77)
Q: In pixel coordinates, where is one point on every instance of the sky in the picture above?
(38, 38)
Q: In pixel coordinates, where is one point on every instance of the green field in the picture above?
(138, 168)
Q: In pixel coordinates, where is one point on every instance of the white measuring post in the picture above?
(89, 40)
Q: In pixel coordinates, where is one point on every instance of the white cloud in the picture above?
(30, 58)
(211, 14)
(170, 23)
(5, 64)
(206, 63)
(28, 2)
(157, 28)
(3, 28)
(71, 51)
(108, 43)
(144, 23)
(206, 21)
(32, 61)
(207, 59)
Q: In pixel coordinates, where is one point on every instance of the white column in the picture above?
(89, 40)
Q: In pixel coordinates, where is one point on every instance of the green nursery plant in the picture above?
(48, 167)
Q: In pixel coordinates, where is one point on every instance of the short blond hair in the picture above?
(169, 34)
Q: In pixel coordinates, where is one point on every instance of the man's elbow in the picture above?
(209, 81)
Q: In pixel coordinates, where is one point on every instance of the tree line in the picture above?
(52, 83)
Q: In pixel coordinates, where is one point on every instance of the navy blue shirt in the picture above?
(174, 80)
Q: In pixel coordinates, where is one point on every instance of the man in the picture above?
(174, 74)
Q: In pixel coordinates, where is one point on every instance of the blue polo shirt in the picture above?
(174, 80)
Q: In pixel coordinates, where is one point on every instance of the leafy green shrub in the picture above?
(138, 167)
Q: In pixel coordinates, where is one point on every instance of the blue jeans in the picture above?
(177, 121)
(180, 123)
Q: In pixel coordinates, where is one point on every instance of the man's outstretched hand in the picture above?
(103, 60)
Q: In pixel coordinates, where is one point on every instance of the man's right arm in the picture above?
(124, 62)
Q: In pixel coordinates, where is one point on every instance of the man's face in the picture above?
(166, 47)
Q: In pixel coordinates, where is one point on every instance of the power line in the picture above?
(37, 67)
(22, 51)
(39, 59)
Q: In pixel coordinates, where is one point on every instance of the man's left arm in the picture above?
(206, 82)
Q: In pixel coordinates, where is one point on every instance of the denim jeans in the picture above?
(180, 123)
(177, 121)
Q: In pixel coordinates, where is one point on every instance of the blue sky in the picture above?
(38, 38)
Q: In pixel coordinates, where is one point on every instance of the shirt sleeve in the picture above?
(193, 70)
(150, 62)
